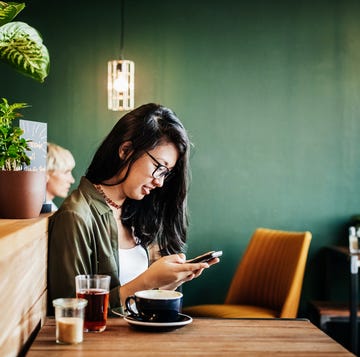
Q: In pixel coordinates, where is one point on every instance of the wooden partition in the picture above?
(23, 282)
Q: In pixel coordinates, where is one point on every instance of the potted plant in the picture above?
(22, 191)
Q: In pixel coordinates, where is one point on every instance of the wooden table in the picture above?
(203, 337)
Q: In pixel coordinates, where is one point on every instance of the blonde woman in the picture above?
(59, 165)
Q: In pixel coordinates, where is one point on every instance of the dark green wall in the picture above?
(269, 91)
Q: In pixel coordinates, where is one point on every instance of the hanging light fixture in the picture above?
(121, 78)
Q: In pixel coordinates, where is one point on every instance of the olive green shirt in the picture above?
(83, 239)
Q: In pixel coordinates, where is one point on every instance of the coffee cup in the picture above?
(155, 305)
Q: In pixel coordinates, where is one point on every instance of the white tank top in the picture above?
(133, 262)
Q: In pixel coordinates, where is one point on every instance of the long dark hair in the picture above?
(160, 216)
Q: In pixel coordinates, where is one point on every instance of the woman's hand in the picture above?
(168, 272)
(171, 271)
(194, 269)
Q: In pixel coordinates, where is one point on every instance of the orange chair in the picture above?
(268, 280)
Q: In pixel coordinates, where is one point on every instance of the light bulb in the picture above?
(120, 83)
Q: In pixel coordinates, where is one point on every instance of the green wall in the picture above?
(268, 90)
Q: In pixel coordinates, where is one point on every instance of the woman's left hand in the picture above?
(192, 270)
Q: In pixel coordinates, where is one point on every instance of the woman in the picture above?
(132, 198)
(59, 178)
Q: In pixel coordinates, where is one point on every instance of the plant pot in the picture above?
(22, 193)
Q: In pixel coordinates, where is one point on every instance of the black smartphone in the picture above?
(206, 257)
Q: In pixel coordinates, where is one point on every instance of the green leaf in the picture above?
(8, 11)
(13, 148)
(8, 112)
(21, 46)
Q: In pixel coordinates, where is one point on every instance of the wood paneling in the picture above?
(23, 281)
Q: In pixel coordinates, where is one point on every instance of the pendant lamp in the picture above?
(121, 78)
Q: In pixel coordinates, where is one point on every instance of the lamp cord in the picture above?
(122, 18)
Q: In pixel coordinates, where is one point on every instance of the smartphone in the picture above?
(206, 257)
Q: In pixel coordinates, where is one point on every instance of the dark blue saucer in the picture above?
(138, 323)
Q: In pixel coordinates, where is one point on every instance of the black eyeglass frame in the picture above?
(166, 172)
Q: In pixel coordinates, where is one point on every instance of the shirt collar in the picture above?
(95, 196)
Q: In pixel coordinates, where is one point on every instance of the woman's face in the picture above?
(58, 183)
(140, 180)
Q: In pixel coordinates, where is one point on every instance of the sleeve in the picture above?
(70, 253)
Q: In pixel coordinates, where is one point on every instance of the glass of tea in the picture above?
(95, 289)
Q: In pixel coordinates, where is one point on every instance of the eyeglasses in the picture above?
(161, 171)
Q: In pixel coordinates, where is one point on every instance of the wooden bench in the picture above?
(322, 312)
(23, 282)
(334, 319)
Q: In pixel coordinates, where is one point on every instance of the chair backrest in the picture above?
(271, 271)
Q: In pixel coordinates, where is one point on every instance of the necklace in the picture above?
(107, 199)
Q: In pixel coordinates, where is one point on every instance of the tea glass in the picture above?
(95, 289)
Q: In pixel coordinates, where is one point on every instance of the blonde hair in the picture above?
(59, 158)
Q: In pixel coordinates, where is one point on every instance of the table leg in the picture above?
(354, 303)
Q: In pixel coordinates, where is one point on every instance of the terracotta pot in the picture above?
(22, 193)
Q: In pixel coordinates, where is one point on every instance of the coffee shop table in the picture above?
(202, 337)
